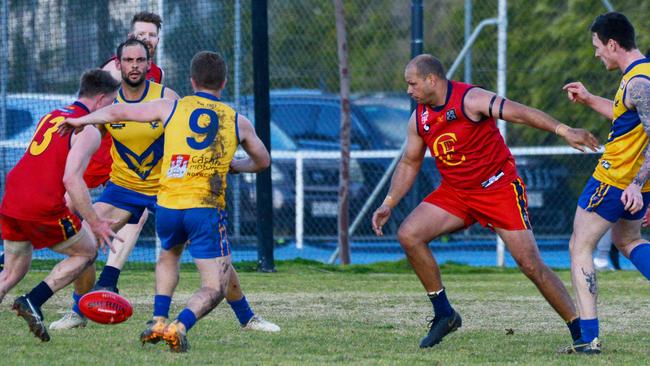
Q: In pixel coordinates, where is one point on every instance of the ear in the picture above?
(193, 84)
(612, 45)
(223, 85)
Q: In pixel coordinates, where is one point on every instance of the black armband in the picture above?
(503, 101)
(491, 104)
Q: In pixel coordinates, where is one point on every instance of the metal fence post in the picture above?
(502, 44)
(263, 182)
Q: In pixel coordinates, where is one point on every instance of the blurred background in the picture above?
(47, 44)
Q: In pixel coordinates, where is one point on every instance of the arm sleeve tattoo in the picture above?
(640, 99)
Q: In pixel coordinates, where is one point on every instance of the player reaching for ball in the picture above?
(456, 121)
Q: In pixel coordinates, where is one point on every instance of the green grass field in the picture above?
(358, 315)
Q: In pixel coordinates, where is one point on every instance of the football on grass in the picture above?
(105, 307)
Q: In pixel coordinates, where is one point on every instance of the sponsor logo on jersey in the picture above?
(451, 115)
(117, 126)
(178, 166)
(605, 164)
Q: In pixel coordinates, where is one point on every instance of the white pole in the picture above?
(237, 184)
(160, 50)
(300, 204)
(502, 43)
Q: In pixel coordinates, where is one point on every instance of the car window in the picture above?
(316, 126)
(389, 123)
(18, 120)
(280, 140)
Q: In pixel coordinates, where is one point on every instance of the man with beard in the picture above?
(133, 186)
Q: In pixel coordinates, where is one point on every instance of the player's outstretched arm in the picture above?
(83, 147)
(156, 110)
(637, 98)
(403, 177)
(480, 103)
(578, 93)
(258, 157)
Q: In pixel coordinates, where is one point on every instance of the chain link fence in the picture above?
(49, 43)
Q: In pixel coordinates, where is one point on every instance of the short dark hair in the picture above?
(208, 70)
(147, 17)
(615, 26)
(426, 64)
(97, 81)
(132, 42)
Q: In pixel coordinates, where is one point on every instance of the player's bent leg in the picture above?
(130, 234)
(215, 274)
(167, 269)
(627, 238)
(588, 228)
(426, 222)
(248, 320)
(422, 225)
(522, 246)
(18, 258)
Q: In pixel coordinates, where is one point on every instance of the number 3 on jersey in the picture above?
(208, 126)
(36, 148)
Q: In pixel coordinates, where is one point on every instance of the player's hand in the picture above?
(632, 198)
(379, 218)
(581, 139)
(577, 92)
(645, 222)
(70, 124)
(104, 234)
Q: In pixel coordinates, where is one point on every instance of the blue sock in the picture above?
(40, 294)
(75, 306)
(188, 318)
(161, 304)
(441, 306)
(640, 256)
(108, 277)
(242, 310)
(574, 328)
(589, 329)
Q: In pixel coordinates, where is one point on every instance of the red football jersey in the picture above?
(99, 167)
(469, 154)
(34, 188)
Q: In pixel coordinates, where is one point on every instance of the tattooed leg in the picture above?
(588, 228)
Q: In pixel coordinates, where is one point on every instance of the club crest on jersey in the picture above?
(178, 166)
(154, 124)
(450, 115)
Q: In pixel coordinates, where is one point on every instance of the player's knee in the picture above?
(530, 268)
(406, 237)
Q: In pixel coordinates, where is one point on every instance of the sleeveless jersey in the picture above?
(469, 155)
(200, 141)
(137, 147)
(34, 187)
(627, 139)
(100, 162)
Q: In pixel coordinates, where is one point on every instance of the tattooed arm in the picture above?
(638, 98)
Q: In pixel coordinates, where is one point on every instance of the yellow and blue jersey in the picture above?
(201, 139)
(137, 147)
(627, 138)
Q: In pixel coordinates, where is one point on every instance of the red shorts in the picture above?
(503, 207)
(43, 233)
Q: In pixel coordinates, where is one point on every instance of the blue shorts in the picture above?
(205, 228)
(128, 200)
(605, 200)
